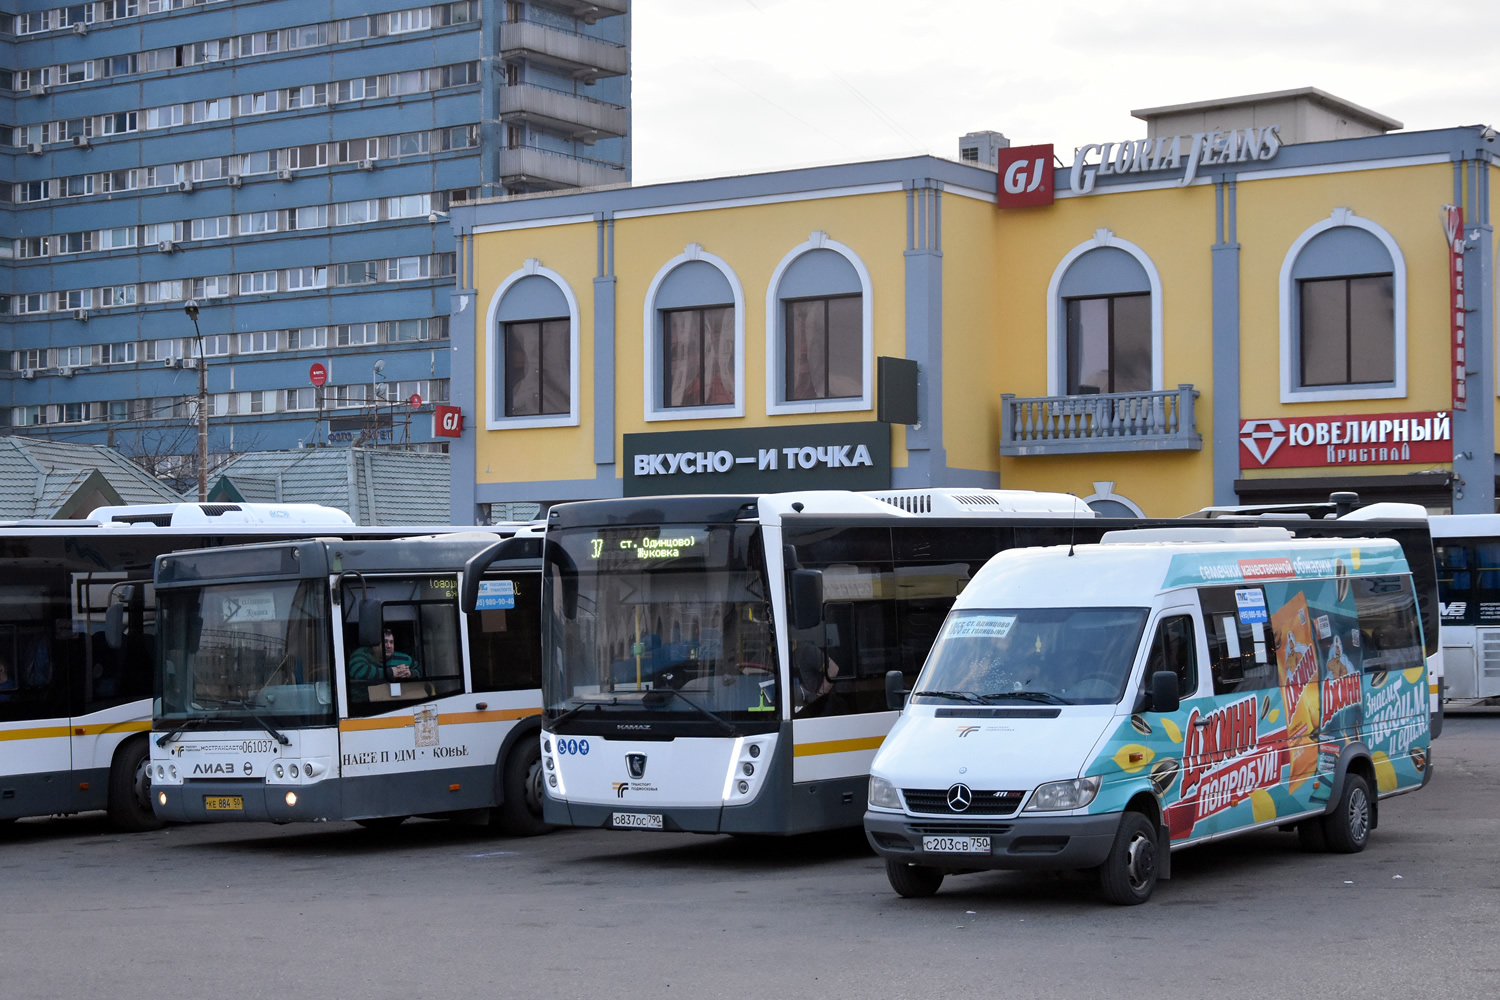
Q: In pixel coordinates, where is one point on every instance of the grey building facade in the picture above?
(288, 165)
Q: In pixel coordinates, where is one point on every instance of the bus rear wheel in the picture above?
(130, 788)
(521, 780)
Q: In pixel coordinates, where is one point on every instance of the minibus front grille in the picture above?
(982, 803)
(958, 829)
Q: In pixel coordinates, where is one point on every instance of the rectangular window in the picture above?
(410, 206)
(209, 170)
(360, 272)
(161, 231)
(118, 410)
(117, 354)
(216, 287)
(410, 82)
(212, 111)
(33, 359)
(824, 348)
(311, 217)
(74, 357)
(410, 144)
(118, 123)
(254, 163)
(117, 295)
(537, 372)
(302, 278)
(1348, 330)
(163, 291)
(307, 338)
(259, 43)
(34, 191)
(74, 243)
(303, 157)
(311, 96)
(33, 303)
(161, 350)
(307, 36)
(259, 104)
(257, 282)
(75, 413)
(356, 334)
(350, 213)
(698, 357)
(257, 222)
(216, 346)
(408, 20)
(1109, 344)
(257, 401)
(115, 239)
(1388, 623)
(34, 246)
(119, 180)
(354, 29)
(165, 117)
(262, 342)
(81, 298)
(301, 399)
(1241, 655)
(76, 186)
(406, 268)
(358, 89)
(216, 228)
(404, 331)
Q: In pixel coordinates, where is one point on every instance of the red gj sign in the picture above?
(1025, 176)
(448, 422)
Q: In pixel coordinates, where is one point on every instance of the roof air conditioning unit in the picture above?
(39, 90)
(82, 141)
(34, 148)
(65, 372)
(28, 373)
(166, 246)
(284, 174)
(171, 363)
(185, 185)
(367, 164)
(235, 180)
(79, 28)
(82, 315)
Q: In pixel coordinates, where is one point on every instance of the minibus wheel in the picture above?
(130, 788)
(1347, 828)
(1128, 875)
(913, 881)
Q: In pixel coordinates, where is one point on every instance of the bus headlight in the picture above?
(280, 771)
(294, 770)
(883, 794)
(291, 798)
(1073, 794)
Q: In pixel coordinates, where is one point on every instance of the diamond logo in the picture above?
(1261, 438)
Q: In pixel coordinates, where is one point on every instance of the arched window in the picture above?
(695, 339)
(532, 376)
(1104, 320)
(819, 332)
(1343, 313)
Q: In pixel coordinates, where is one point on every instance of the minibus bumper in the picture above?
(188, 802)
(1042, 842)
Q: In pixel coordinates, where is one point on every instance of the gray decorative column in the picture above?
(1474, 428)
(1224, 444)
(927, 458)
(604, 354)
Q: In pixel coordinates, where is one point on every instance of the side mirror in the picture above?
(114, 626)
(807, 598)
(1166, 696)
(370, 623)
(895, 691)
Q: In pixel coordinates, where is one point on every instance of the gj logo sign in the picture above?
(1025, 176)
(447, 421)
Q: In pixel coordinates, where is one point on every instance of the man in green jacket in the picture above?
(380, 663)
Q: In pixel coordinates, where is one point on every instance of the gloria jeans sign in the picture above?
(843, 456)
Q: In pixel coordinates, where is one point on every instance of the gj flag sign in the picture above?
(759, 459)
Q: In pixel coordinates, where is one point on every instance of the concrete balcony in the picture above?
(537, 167)
(1106, 422)
(579, 117)
(590, 11)
(584, 57)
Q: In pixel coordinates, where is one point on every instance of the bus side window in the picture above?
(1241, 655)
(504, 644)
(1175, 648)
(1388, 623)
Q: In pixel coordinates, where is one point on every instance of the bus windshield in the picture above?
(1056, 656)
(667, 623)
(245, 654)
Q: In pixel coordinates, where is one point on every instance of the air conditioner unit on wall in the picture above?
(79, 28)
(82, 141)
(185, 185)
(65, 372)
(34, 148)
(367, 164)
(166, 246)
(171, 363)
(235, 180)
(82, 315)
(190, 362)
(28, 373)
(284, 174)
(39, 90)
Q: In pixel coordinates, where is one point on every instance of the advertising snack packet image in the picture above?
(1297, 661)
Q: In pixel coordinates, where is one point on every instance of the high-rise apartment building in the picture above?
(288, 165)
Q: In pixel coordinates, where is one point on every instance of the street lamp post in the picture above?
(191, 308)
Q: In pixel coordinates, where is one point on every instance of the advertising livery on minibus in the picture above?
(1100, 706)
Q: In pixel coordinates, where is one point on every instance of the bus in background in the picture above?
(717, 663)
(338, 680)
(1468, 560)
(74, 712)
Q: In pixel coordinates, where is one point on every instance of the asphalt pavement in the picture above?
(435, 909)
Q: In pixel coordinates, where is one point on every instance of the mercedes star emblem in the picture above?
(959, 798)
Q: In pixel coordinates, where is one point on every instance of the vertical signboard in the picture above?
(1025, 176)
(1453, 229)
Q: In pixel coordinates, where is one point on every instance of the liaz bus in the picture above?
(717, 663)
(73, 710)
(337, 680)
(1468, 557)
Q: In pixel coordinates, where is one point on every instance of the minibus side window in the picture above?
(1174, 648)
(1388, 620)
(1241, 654)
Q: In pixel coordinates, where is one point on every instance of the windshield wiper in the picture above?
(280, 736)
(1046, 697)
(645, 701)
(968, 696)
(181, 728)
(564, 717)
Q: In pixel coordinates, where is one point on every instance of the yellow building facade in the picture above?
(1227, 315)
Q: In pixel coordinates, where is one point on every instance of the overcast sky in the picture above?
(738, 86)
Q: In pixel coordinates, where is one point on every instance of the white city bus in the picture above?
(337, 680)
(718, 663)
(74, 712)
(1468, 561)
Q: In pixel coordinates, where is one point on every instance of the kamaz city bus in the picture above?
(717, 663)
(338, 680)
(74, 711)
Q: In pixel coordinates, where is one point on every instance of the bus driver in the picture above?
(371, 663)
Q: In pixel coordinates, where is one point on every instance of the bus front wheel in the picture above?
(521, 778)
(130, 788)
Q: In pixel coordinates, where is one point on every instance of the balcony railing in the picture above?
(563, 112)
(530, 165)
(1116, 421)
(580, 55)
